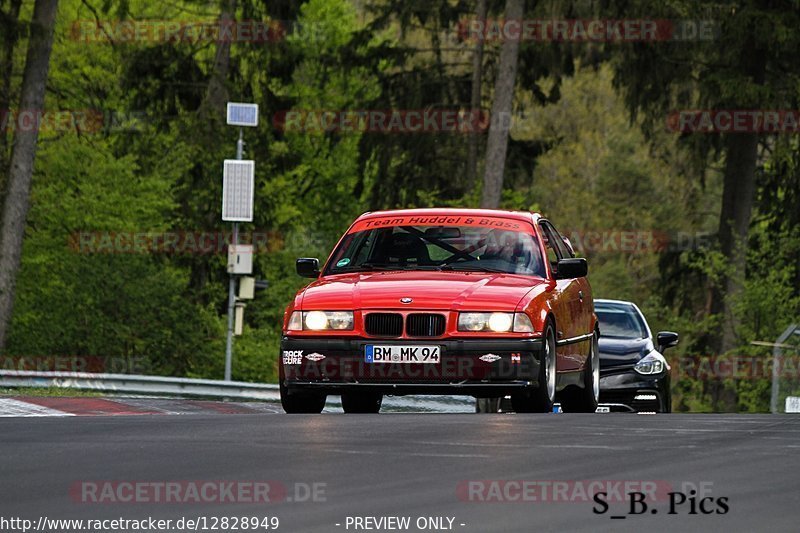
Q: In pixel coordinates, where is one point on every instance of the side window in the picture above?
(564, 250)
(554, 245)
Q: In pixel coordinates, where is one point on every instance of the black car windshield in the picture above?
(620, 322)
(443, 248)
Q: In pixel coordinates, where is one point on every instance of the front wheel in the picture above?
(585, 400)
(361, 402)
(301, 403)
(540, 400)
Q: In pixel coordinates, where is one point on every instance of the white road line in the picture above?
(10, 407)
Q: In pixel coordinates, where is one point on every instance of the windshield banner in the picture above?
(442, 220)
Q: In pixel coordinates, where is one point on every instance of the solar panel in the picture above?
(238, 183)
(242, 114)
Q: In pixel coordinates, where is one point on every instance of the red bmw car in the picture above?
(443, 301)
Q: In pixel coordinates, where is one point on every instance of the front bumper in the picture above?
(336, 365)
(627, 390)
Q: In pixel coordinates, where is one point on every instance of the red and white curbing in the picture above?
(65, 406)
(11, 407)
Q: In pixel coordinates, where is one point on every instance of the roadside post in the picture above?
(238, 185)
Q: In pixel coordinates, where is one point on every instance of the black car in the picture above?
(634, 375)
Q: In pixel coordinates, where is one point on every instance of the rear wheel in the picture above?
(584, 400)
(301, 402)
(361, 402)
(540, 399)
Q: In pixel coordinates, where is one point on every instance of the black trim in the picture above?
(459, 371)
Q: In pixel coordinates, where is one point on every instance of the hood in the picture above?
(476, 291)
(619, 352)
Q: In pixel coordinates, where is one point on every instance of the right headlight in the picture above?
(654, 363)
(495, 322)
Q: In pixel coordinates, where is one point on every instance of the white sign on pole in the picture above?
(242, 114)
(792, 404)
(238, 184)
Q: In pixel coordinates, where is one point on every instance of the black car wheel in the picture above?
(301, 403)
(585, 399)
(540, 399)
(361, 402)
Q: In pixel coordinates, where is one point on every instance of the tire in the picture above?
(361, 402)
(301, 403)
(540, 399)
(667, 396)
(487, 405)
(585, 399)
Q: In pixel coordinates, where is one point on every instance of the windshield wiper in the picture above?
(473, 268)
(381, 267)
(366, 268)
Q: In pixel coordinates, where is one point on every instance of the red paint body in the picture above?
(567, 303)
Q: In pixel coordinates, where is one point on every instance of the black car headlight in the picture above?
(651, 364)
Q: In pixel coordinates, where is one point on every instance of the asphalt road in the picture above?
(411, 465)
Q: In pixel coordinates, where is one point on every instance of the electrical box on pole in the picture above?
(240, 259)
(247, 288)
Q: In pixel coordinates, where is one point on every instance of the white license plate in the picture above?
(402, 354)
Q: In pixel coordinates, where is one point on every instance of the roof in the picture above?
(525, 216)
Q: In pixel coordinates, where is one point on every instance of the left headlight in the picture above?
(654, 363)
(497, 322)
(320, 320)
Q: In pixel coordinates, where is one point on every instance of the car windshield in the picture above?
(620, 322)
(443, 248)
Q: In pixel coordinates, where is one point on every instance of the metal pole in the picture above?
(777, 363)
(232, 282)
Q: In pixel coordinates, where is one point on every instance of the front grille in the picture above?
(425, 325)
(384, 324)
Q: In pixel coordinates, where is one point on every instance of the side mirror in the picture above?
(572, 268)
(307, 267)
(666, 339)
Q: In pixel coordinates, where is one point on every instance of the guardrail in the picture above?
(207, 388)
(136, 384)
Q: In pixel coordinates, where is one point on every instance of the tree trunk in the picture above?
(737, 203)
(497, 144)
(211, 116)
(23, 153)
(10, 20)
(475, 98)
(217, 93)
(738, 192)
